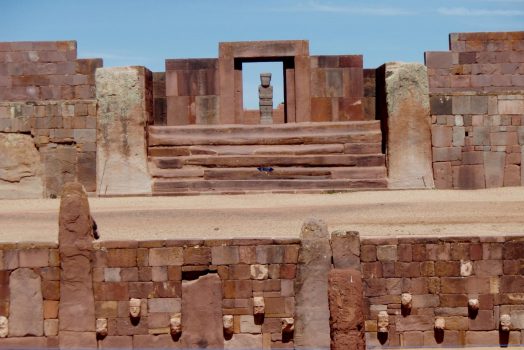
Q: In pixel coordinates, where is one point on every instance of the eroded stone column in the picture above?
(409, 159)
(346, 308)
(124, 107)
(311, 287)
(76, 311)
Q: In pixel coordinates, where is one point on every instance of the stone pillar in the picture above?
(265, 99)
(26, 305)
(124, 107)
(202, 325)
(346, 309)
(409, 159)
(76, 311)
(311, 287)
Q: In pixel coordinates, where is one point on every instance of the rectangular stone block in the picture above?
(225, 255)
(470, 104)
(441, 60)
(170, 256)
(168, 305)
(33, 257)
(121, 257)
(441, 136)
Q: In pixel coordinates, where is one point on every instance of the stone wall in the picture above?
(30, 276)
(337, 88)
(477, 107)
(206, 279)
(48, 110)
(442, 275)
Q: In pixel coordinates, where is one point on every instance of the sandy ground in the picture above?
(378, 213)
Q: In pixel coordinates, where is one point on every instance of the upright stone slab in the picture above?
(409, 159)
(202, 325)
(311, 287)
(21, 174)
(345, 246)
(76, 311)
(346, 309)
(124, 108)
(26, 306)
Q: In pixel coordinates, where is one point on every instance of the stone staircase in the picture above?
(295, 157)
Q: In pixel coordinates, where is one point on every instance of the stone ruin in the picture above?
(319, 291)
(455, 122)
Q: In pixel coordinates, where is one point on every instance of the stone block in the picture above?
(225, 255)
(368, 253)
(197, 256)
(345, 246)
(51, 327)
(440, 105)
(487, 268)
(270, 254)
(446, 154)
(121, 257)
(494, 163)
(511, 107)
(441, 136)
(122, 160)
(207, 109)
(468, 177)
(77, 340)
(440, 60)
(237, 289)
(26, 312)
(414, 323)
(483, 322)
(470, 104)
(33, 257)
(443, 175)
(168, 305)
(170, 256)
(387, 252)
(116, 342)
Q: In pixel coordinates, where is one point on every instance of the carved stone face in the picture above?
(505, 322)
(134, 307)
(265, 79)
(440, 323)
(383, 322)
(258, 305)
(175, 324)
(466, 268)
(101, 327)
(288, 325)
(406, 300)
(228, 323)
(4, 327)
(473, 304)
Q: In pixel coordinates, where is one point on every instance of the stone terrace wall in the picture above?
(435, 272)
(157, 271)
(47, 99)
(477, 107)
(30, 275)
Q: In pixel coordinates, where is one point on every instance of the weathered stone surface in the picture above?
(75, 246)
(244, 342)
(202, 324)
(21, 174)
(409, 133)
(345, 246)
(311, 286)
(121, 135)
(26, 309)
(346, 309)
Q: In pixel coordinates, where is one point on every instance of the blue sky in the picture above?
(140, 32)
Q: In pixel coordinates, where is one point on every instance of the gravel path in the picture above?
(378, 213)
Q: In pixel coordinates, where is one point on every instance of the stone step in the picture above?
(175, 151)
(269, 161)
(250, 138)
(353, 173)
(231, 129)
(166, 187)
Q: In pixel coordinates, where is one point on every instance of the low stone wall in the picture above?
(441, 276)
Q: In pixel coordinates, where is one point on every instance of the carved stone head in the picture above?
(473, 304)
(101, 327)
(134, 307)
(383, 322)
(288, 325)
(505, 322)
(4, 327)
(175, 324)
(406, 300)
(265, 79)
(466, 268)
(228, 324)
(440, 323)
(258, 305)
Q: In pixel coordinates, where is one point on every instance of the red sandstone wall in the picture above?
(192, 91)
(337, 88)
(429, 269)
(477, 107)
(47, 92)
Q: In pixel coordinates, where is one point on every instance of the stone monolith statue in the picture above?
(265, 98)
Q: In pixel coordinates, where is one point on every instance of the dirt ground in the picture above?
(378, 213)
